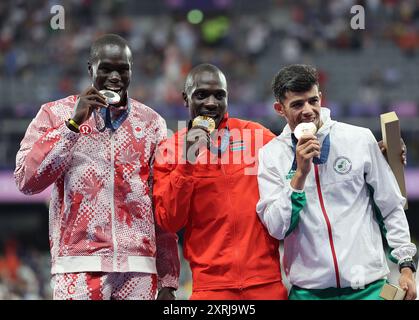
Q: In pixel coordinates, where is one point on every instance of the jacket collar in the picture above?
(224, 122)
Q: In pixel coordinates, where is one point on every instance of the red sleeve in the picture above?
(45, 152)
(173, 187)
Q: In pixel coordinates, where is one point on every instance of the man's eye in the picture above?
(219, 96)
(200, 95)
(314, 101)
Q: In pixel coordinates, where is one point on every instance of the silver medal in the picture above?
(110, 96)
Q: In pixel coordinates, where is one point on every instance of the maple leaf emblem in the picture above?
(145, 247)
(92, 186)
(124, 215)
(128, 156)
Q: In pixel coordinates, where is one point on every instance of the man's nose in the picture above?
(307, 108)
(211, 102)
(114, 76)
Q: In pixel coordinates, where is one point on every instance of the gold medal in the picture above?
(203, 121)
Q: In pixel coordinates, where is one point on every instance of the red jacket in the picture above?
(225, 243)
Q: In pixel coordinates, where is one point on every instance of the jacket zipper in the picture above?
(115, 243)
(329, 227)
(235, 246)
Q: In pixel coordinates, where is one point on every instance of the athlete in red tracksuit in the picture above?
(230, 253)
(102, 233)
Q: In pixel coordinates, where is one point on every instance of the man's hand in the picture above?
(407, 283)
(307, 147)
(403, 155)
(166, 294)
(196, 139)
(87, 101)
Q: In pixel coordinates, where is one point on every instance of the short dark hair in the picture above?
(295, 78)
(197, 69)
(107, 39)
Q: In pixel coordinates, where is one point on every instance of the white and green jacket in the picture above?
(334, 229)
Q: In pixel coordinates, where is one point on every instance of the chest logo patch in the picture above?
(290, 175)
(342, 165)
(138, 132)
(85, 129)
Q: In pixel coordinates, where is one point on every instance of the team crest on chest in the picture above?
(342, 165)
(138, 132)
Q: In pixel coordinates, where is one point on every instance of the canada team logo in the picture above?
(85, 129)
(138, 132)
(342, 165)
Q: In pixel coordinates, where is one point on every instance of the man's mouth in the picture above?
(308, 120)
(211, 115)
(115, 89)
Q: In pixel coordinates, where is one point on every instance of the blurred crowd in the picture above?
(24, 273)
(39, 64)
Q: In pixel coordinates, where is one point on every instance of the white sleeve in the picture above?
(279, 206)
(388, 203)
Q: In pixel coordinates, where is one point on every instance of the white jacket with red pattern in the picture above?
(101, 216)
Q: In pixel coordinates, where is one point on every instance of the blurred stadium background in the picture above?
(363, 73)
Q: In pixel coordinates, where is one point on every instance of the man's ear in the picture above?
(279, 108)
(320, 97)
(185, 99)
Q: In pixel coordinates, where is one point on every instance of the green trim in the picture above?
(290, 174)
(383, 229)
(370, 292)
(298, 201)
(238, 148)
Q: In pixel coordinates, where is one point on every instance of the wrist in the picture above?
(406, 270)
(72, 125)
(298, 181)
(406, 264)
(168, 290)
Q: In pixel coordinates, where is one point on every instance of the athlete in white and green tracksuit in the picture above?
(334, 228)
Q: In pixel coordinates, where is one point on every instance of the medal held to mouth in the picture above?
(110, 96)
(111, 99)
(304, 128)
(203, 121)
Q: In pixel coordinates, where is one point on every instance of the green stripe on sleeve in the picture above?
(298, 201)
(383, 229)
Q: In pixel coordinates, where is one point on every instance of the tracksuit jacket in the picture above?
(224, 241)
(100, 214)
(334, 229)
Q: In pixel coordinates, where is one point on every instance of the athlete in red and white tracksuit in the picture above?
(102, 234)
